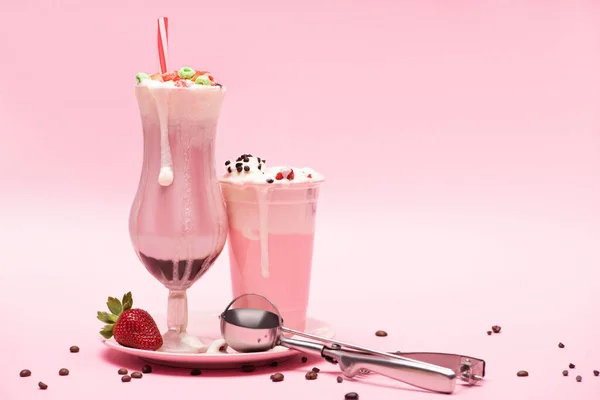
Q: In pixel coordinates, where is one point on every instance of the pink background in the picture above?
(461, 144)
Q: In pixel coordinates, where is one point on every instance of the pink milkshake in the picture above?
(271, 213)
(178, 223)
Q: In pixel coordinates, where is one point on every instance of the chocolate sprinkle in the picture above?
(264, 161)
(239, 169)
(74, 349)
(278, 377)
(565, 373)
(340, 379)
(259, 166)
(270, 180)
(258, 158)
(596, 372)
(42, 385)
(229, 169)
(274, 364)
(246, 159)
(25, 373)
(227, 162)
(237, 165)
(122, 371)
(195, 372)
(147, 369)
(351, 396)
(126, 378)
(489, 333)
(304, 360)
(578, 378)
(522, 373)
(317, 370)
(311, 375)
(561, 346)
(246, 168)
(571, 365)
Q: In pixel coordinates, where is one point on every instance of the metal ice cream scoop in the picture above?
(253, 329)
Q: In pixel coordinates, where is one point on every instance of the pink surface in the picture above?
(461, 145)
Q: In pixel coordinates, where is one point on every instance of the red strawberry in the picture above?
(131, 327)
(309, 175)
(279, 176)
(291, 175)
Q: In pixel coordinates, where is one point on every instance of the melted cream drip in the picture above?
(263, 216)
(165, 176)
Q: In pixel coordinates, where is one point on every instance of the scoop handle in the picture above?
(426, 376)
(415, 373)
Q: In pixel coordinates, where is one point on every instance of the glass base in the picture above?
(182, 342)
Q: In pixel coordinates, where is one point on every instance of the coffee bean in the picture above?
(578, 378)
(74, 349)
(351, 396)
(122, 371)
(340, 379)
(381, 333)
(565, 373)
(304, 360)
(137, 375)
(571, 365)
(311, 375)
(278, 377)
(63, 372)
(489, 333)
(248, 368)
(522, 373)
(146, 369)
(125, 378)
(25, 373)
(496, 329)
(42, 385)
(596, 372)
(274, 364)
(195, 372)
(561, 346)
(317, 370)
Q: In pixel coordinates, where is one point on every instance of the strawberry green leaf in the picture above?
(107, 318)
(127, 301)
(115, 306)
(107, 331)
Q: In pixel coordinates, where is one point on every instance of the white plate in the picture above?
(205, 325)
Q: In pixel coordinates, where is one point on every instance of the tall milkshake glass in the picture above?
(178, 223)
(271, 234)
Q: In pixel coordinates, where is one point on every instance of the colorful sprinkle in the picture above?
(186, 73)
(169, 76)
(141, 76)
(203, 80)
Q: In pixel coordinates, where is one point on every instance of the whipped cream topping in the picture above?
(248, 169)
(150, 83)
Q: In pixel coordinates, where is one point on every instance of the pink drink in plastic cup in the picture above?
(271, 236)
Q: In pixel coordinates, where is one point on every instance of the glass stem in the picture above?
(177, 311)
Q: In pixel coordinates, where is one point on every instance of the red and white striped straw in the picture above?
(163, 43)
